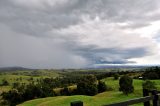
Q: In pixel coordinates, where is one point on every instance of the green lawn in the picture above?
(97, 100)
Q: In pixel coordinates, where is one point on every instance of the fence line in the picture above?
(132, 101)
(145, 99)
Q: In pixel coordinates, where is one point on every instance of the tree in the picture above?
(125, 84)
(65, 91)
(101, 86)
(149, 85)
(150, 75)
(116, 76)
(5, 82)
(26, 92)
(87, 86)
(13, 97)
(15, 85)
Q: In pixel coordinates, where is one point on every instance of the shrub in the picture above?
(125, 84)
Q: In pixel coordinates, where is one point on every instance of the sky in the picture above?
(79, 33)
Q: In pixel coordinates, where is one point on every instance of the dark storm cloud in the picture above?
(110, 55)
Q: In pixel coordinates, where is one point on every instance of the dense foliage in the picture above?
(86, 85)
(116, 76)
(101, 86)
(4, 83)
(125, 84)
(152, 73)
(26, 92)
(150, 85)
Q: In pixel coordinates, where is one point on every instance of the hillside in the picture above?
(97, 100)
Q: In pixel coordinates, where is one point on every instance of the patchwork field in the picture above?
(24, 77)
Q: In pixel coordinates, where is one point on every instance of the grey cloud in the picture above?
(117, 55)
(111, 55)
(114, 62)
(135, 25)
(57, 32)
(36, 22)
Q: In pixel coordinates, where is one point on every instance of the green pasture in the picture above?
(24, 77)
(97, 100)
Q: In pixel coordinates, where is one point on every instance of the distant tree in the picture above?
(21, 87)
(31, 91)
(125, 84)
(151, 73)
(12, 97)
(46, 91)
(25, 92)
(116, 76)
(20, 78)
(15, 85)
(35, 91)
(5, 82)
(84, 88)
(30, 79)
(149, 85)
(101, 86)
(87, 86)
(65, 91)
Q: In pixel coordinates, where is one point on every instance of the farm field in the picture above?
(24, 77)
(97, 100)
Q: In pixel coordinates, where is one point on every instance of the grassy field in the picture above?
(97, 100)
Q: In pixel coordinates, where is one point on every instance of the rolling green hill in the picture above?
(97, 100)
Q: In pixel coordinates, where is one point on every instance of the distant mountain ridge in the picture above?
(121, 66)
(91, 67)
(13, 68)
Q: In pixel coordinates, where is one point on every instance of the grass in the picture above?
(97, 100)
(24, 76)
